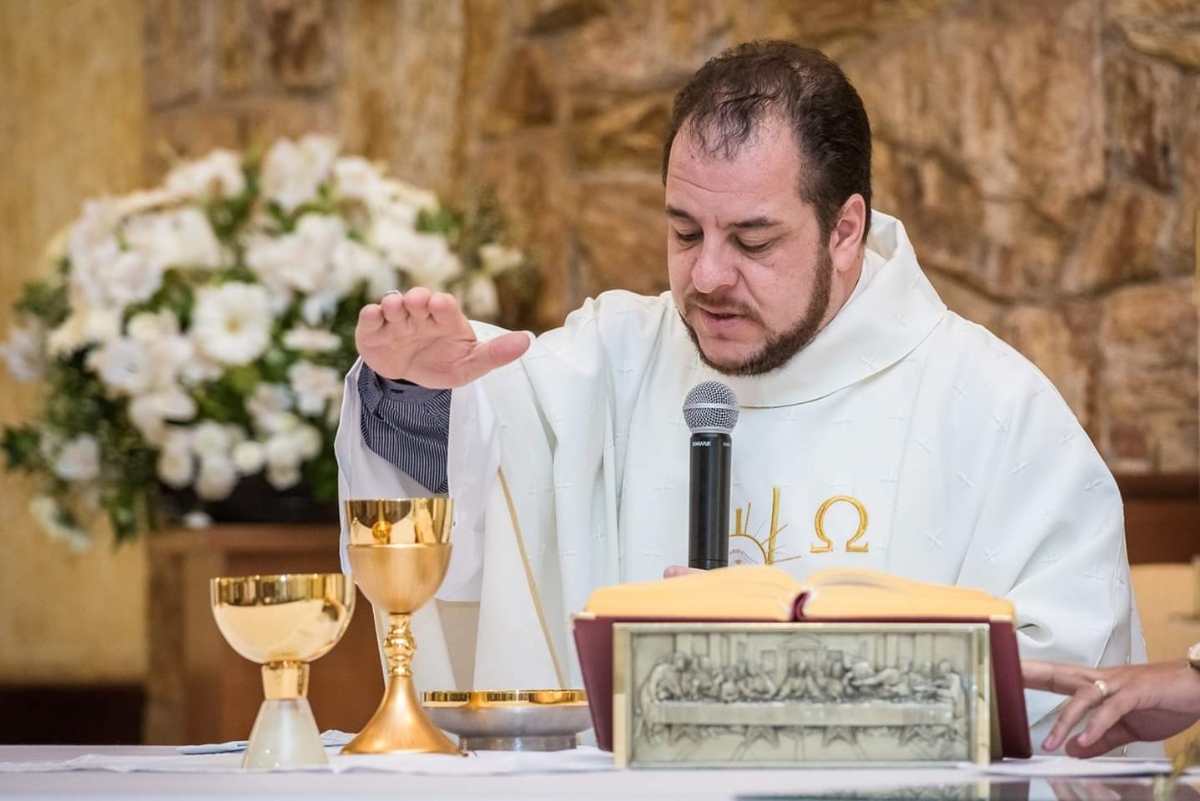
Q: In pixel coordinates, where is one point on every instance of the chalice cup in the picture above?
(283, 623)
(399, 551)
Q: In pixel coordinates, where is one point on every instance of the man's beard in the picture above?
(779, 348)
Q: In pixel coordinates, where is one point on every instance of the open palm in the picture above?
(425, 338)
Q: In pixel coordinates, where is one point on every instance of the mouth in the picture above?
(719, 322)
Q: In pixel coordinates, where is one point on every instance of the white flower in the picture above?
(479, 298)
(249, 457)
(286, 451)
(23, 351)
(86, 325)
(268, 401)
(50, 516)
(308, 441)
(411, 196)
(311, 340)
(149, 327)
(196, 520)
(96, 227)
(497, 259)
(334, 415)
(314, 386)
(217, 175)
(217, 478)
(282, 478)
(199, 369)
(150, 412)
(282, 450)
(138, 202)
(293, 171)
(359, 179)
(232, 322)
(306, 262)
(354, 264)
(107, 276)
(211, 440)
(123, 365)
(427, 258)
(79, 459)
(170, 352)
(176, 467)
(181, 238)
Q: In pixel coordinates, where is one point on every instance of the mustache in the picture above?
(716, 304)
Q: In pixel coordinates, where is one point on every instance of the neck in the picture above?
(844, 283)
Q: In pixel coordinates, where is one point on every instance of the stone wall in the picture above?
(1044, 156)
(72, 126)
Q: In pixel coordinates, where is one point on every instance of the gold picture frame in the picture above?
(755, 695)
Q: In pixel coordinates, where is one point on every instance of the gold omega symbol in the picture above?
(851, 544)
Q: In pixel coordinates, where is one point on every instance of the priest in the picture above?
(877, 429)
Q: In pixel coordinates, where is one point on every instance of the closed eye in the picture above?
(758, 248)
(687, 239)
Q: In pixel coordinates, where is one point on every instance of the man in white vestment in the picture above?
(877, 429)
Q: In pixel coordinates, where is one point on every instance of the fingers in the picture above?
(674, 571)
(370, 318)
(393, 308)
(494, 354)
(1116, 737)
(1114, 708)
(444, 308)
(1084, 699)
(1037, 675)
(1057, 677)
(416, 303)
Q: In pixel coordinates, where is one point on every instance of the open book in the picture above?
(758, 593)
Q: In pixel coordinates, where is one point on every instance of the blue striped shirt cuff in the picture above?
(407, 425)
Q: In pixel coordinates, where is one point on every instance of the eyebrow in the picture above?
(750, 224)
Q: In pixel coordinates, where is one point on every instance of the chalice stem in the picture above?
(399, 645)
(285, 732)
(399, 725)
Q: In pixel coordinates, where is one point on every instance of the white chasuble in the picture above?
(902, 439)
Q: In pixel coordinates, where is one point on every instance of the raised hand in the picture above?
(425, 338)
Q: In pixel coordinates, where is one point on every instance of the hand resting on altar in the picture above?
(424, 337)
(1134, 703)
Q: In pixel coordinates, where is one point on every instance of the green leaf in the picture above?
(22, 448)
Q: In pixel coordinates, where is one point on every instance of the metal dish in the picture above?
(511, 720)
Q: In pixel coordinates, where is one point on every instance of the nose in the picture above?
(711, 271)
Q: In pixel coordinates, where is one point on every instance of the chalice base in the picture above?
(284, 736)
(399, 726)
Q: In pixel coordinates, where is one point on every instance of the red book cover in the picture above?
(594, 643)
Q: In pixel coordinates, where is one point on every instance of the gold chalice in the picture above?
(283, 622)
(399, 551)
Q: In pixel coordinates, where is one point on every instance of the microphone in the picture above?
(711, 412)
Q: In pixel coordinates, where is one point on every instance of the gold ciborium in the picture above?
(283, 623)
(399, 551)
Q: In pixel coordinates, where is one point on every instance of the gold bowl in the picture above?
(283, 622)
(511, 720)
(399, 521)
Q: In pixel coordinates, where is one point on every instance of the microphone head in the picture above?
(711, 406)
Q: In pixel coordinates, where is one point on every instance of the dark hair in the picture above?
(733, 93)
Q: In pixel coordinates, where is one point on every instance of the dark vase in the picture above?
(254, 500)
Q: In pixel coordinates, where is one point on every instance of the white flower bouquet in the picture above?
(196, 335)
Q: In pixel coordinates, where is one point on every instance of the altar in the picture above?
(131, 772)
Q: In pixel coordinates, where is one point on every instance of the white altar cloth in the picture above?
(584, 774)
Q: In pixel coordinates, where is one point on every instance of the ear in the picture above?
(845, 240)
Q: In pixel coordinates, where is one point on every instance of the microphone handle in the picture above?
(708, 518)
